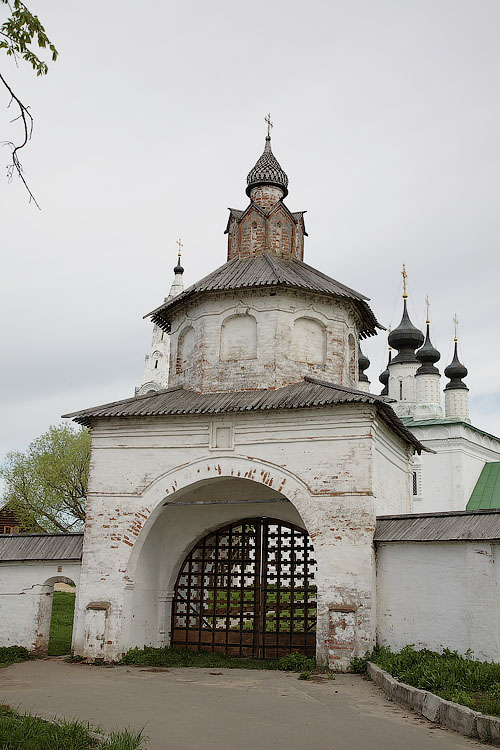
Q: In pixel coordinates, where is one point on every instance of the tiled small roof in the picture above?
(40, 547)
(305, 394)
(454, 526)
(267, 171)
(486, 493)
(270, 271)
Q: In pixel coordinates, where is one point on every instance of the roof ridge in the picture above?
(273, 267)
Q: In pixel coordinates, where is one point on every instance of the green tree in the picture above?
(46, 486)
(20, 32)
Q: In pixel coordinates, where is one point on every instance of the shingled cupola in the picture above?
(266, 226)
(266, 175)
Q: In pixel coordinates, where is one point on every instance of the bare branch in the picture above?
(15, 167)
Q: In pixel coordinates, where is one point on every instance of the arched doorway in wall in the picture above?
(248, 589)
(56, 616)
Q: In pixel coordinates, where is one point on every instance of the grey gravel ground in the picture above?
(185, 709)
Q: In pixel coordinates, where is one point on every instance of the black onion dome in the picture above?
(405, 338)
(428, 355)
(178, 268)
(384, 377)
(363, 364)
(267, 171)
(455, 372)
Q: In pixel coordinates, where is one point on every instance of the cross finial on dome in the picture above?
(270, 124)
(405, 276)
(455, 324)
(427, 306)
(179, 269)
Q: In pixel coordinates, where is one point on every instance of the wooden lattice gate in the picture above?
(248, 590)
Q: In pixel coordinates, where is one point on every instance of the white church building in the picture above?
(254, 498)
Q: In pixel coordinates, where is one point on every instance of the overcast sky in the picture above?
(387, 121)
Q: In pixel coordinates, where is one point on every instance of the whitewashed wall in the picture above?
(26, 590)
(439, 595)
(330, 463)
(255, 339)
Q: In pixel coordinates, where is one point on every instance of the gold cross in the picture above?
(270, 125)
(405, 276)
(455, 323)
(427, 304)
(180, 245)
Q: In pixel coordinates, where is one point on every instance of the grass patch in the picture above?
(456, 678)
(183, 657)
(13, 654)
(61, 623)
(27, 732)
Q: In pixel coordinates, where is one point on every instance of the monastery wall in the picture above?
(26, 590)
(439, 595)
(263, 339)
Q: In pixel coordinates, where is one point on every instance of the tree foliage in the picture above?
(20, 32)
(46, 486)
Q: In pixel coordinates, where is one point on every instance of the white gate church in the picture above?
(236, 509)
(263, 419)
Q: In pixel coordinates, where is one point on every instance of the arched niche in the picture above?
(238, 338)
(185, 347)
(309, 341)
(156, 357)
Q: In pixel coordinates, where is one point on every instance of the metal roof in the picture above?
(410, 423)
(308, 393)
(270, 271)
(40, 547)
(455, 526)
(486, 493)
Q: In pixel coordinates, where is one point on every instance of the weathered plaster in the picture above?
(439, 595)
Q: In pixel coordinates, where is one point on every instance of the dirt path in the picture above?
(225, 709)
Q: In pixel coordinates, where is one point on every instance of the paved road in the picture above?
(225, 709)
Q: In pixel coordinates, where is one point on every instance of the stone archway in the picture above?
(177, 512)
(171, 488)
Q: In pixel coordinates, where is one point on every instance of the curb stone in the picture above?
(488, 729)
(460, 718)
(451, 715)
